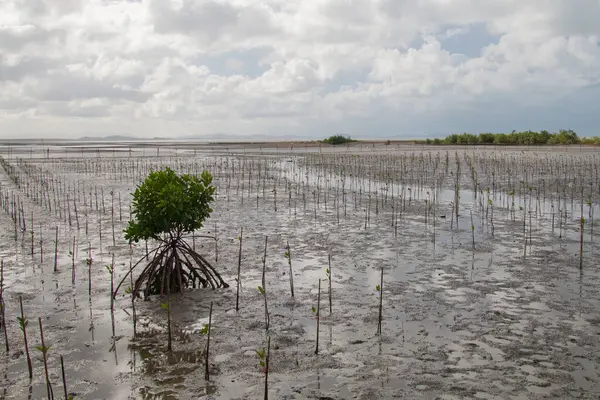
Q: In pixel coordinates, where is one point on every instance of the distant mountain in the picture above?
(111, 138)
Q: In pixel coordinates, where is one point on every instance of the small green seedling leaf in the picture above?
(314, 309)
(204, 330)
(378, 288)
(287, 255)
(165, 306)
(261, 290)
(109, 268)
(129, 290)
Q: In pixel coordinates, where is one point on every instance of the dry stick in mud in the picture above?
(237, 293)
(23, 322)
(206, 364)
(380, 290)
(44, 350)
(288, 255)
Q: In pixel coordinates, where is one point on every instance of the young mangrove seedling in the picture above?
(264, 285)
(56, 251)
(3, 307)
(88, 262)
(206, 363)
(380, 290)
(23, 322)
(64, 379)
(44, 350)
(264, 295)
(237, 293)
(288, 255)
(318, 312)
(328, 273)
(263, 361)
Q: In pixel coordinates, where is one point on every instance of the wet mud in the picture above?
(511, 317)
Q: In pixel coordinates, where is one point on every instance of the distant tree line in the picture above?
(563, 136)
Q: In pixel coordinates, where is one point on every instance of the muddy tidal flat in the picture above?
(489, 256)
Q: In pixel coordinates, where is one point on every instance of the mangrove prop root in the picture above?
(173, 264)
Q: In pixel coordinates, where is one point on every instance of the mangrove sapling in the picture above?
(288, 255)
(166, 206)
(263, 289)
(44, 350)
(208, 327)
(380, 290)
(237, 293)
(23, 322)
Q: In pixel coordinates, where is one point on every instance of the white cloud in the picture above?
(368, 67)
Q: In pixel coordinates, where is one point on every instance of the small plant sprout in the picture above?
(23, 322)
(263, 362)
(262, 359)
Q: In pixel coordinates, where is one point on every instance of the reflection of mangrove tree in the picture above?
(517, 138)
(166, 206)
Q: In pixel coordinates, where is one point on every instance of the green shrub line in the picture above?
(562, 137)
(338, 139)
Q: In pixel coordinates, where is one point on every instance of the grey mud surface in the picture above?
(458, 323)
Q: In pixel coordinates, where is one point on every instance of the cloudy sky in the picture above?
(369, 68)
